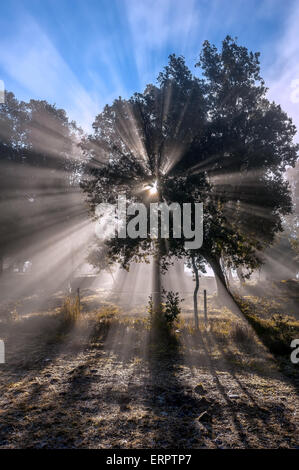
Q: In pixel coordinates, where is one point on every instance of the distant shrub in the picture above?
(14, 315)
(70, 311)
(107, 312)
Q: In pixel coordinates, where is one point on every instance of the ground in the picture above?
(101, 384)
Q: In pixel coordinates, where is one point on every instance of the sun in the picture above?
(152, 188)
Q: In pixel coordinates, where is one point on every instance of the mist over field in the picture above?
(149, 224)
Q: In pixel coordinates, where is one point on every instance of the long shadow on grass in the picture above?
(259, 412)
(246, 414)
(33, 409)
(217, 408)
(173, 406)
(83, 405)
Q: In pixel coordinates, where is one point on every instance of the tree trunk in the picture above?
(156, 284)
(223, 292)
(219, 275)
(195, 270)
(239, 274)
(205, 307)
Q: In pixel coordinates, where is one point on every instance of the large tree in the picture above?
(217, 140)
(134, 146)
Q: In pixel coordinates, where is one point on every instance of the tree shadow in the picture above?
(251, 420)
(97, 397)
(174, 406)
(63, 406)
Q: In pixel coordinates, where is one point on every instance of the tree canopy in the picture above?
(40, 167)
(215, 139)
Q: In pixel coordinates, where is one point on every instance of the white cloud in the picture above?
(31, 60)
(283, 81)
(154, 24)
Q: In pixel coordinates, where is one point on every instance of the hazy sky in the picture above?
(80, 54)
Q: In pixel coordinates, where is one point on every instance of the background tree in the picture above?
(292, 221)
(39, 179)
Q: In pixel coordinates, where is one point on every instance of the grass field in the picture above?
(91, 376)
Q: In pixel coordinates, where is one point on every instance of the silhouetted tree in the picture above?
(135, 144)
(217, 140)
(39, 179)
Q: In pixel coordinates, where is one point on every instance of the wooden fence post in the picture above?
(78, 296)
(205, 307)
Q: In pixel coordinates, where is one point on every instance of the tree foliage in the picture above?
(40, 166)
(217, 139)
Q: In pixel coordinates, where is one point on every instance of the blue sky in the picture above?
(80, 54)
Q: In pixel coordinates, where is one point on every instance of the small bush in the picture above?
(163, 339)
(170, 308)
(70, 311)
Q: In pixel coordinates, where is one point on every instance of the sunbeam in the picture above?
(149, 227)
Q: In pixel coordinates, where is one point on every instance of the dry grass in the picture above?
(70, 311)
(103, 383)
